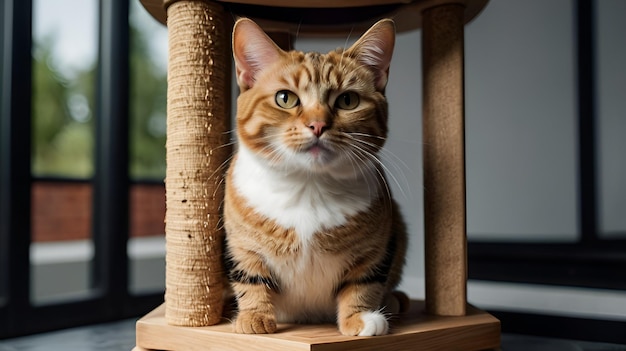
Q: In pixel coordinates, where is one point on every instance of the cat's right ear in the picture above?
(253, 51)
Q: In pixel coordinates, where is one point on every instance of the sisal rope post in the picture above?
(444, 160)
(197, 123)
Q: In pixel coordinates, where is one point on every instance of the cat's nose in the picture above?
(318, 127)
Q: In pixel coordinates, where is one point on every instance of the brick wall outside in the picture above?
(60, 211)
(63, 210)
(147, 208)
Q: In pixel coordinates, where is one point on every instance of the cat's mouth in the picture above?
(315, 150)
(318, 151)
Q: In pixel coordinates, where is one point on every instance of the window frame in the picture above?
(110, 298)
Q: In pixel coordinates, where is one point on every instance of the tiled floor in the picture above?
(121, 336)
(103, 337)
(526, 343)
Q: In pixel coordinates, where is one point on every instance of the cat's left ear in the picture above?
(375, 49)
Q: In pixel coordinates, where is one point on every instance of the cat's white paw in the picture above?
(374, 323)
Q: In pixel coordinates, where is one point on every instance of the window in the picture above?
(147, 127)
(66, 166)
(554, 168)
(64, 64)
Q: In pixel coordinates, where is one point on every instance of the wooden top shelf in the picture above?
(330, 17)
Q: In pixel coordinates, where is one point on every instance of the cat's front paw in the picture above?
(255, 323)
(368, 323)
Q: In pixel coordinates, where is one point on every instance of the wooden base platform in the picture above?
(477, 330)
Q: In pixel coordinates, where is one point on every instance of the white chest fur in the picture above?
(303, 201)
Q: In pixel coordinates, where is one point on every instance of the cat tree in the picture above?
(197, 126)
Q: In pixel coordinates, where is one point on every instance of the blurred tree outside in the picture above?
(148, 95)
(62, 108)
(63, 113)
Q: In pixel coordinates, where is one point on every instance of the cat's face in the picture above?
(317, 113)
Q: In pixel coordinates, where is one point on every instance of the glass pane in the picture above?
(64, 65)
(146, 246)
(521, 122)
(611, 84)
(148, 89)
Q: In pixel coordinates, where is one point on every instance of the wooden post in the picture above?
(198, 99)
(444, 160)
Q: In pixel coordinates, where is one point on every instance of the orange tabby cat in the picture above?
(312, 234)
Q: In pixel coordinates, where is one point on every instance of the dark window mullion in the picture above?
(15, 179)
(111, 182)
(587, 163)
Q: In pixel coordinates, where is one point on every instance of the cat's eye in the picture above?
(287, 99)
(347, 101)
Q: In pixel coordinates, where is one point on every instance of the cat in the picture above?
(312, 233)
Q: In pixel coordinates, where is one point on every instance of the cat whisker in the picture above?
(221, 225)
(217, 186)
(297, 34)
(352, 134)
(373, 157)
(345, 45)
(367, 155)
(398, 164)
(232, 132)
(230, 143)
(222, 167)
(395, 159)
(357, 165)
(384, 151)
(274, 155)
(232, 14)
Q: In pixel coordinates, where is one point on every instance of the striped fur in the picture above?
(312, 233)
